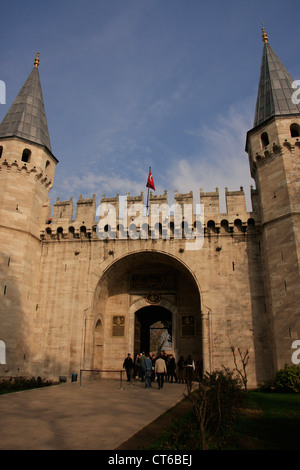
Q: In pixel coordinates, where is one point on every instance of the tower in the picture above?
(273, 147)
(27, 168)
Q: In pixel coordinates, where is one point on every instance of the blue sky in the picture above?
(129, 84)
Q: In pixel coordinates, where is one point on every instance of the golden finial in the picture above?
(264, 34)
(37, 60)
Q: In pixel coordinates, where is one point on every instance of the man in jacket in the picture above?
(128, 365)
(160, 371)
(147, 369)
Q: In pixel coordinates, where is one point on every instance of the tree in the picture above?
(216, 403)
(244, 360)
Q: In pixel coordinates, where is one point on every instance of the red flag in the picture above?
(150, 182)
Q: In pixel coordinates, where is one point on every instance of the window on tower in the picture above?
(264, 139)
(295, 130)
(1, 151)
(26, 155)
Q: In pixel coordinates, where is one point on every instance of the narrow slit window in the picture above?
(26, 155)
(295, 130)
(264, 139)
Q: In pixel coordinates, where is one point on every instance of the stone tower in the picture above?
(27, 168)
(273, 146)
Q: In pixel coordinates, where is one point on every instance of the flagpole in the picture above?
(148, 191)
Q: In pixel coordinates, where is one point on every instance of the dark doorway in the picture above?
(153, 319)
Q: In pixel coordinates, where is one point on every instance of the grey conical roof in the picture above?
(274, 90)
(26, 117)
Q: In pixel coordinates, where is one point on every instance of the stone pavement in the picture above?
(99, 415)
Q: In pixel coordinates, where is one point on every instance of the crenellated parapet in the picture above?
(236, 218)
(28, 170)
(117, 216)
(265, 143)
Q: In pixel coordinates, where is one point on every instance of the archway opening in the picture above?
(152, 329)
(140, 290)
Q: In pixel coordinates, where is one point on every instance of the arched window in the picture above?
(2, 352)
(82, 231)
(71, 232)
(251, 225)
(211, 226)
(264, 139)
(1, 151)
(172, 229)
(145, 231)
(59, 233)
(295, 130)
(224, 225)
(98, 345)
(26, 155)
(47, 164)
(238, 224)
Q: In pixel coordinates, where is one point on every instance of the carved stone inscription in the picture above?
(118, 323)
(153, 282)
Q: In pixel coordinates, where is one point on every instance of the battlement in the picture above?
(128, 209)
(27, 169)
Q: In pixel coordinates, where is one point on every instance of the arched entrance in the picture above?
(152, 329)
(135, 293)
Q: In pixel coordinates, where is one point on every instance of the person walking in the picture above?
(136, 366)
(128, 366)
(141, 361)
(172, 369)
(160, 371)
(190, 368)
(181, 369)
(153, 358)
(147, 369)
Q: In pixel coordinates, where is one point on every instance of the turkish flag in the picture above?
(150, 182)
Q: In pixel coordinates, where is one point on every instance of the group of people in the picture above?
(148, 367)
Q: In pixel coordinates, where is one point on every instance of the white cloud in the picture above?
(221, 160)
(218, 160)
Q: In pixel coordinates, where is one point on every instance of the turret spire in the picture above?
(37, 60)
(274, 97)
(26, 117)
(264, 35)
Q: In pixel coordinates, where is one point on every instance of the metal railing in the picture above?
(102, 370)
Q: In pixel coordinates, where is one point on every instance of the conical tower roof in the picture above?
(26, 117)
(275, 90)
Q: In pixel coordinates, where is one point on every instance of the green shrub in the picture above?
(287, 380)
(225, 398)
(217, 403)
(14, 384)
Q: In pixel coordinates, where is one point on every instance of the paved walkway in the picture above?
(97, 416)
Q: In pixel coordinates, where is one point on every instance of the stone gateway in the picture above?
(80, 293)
